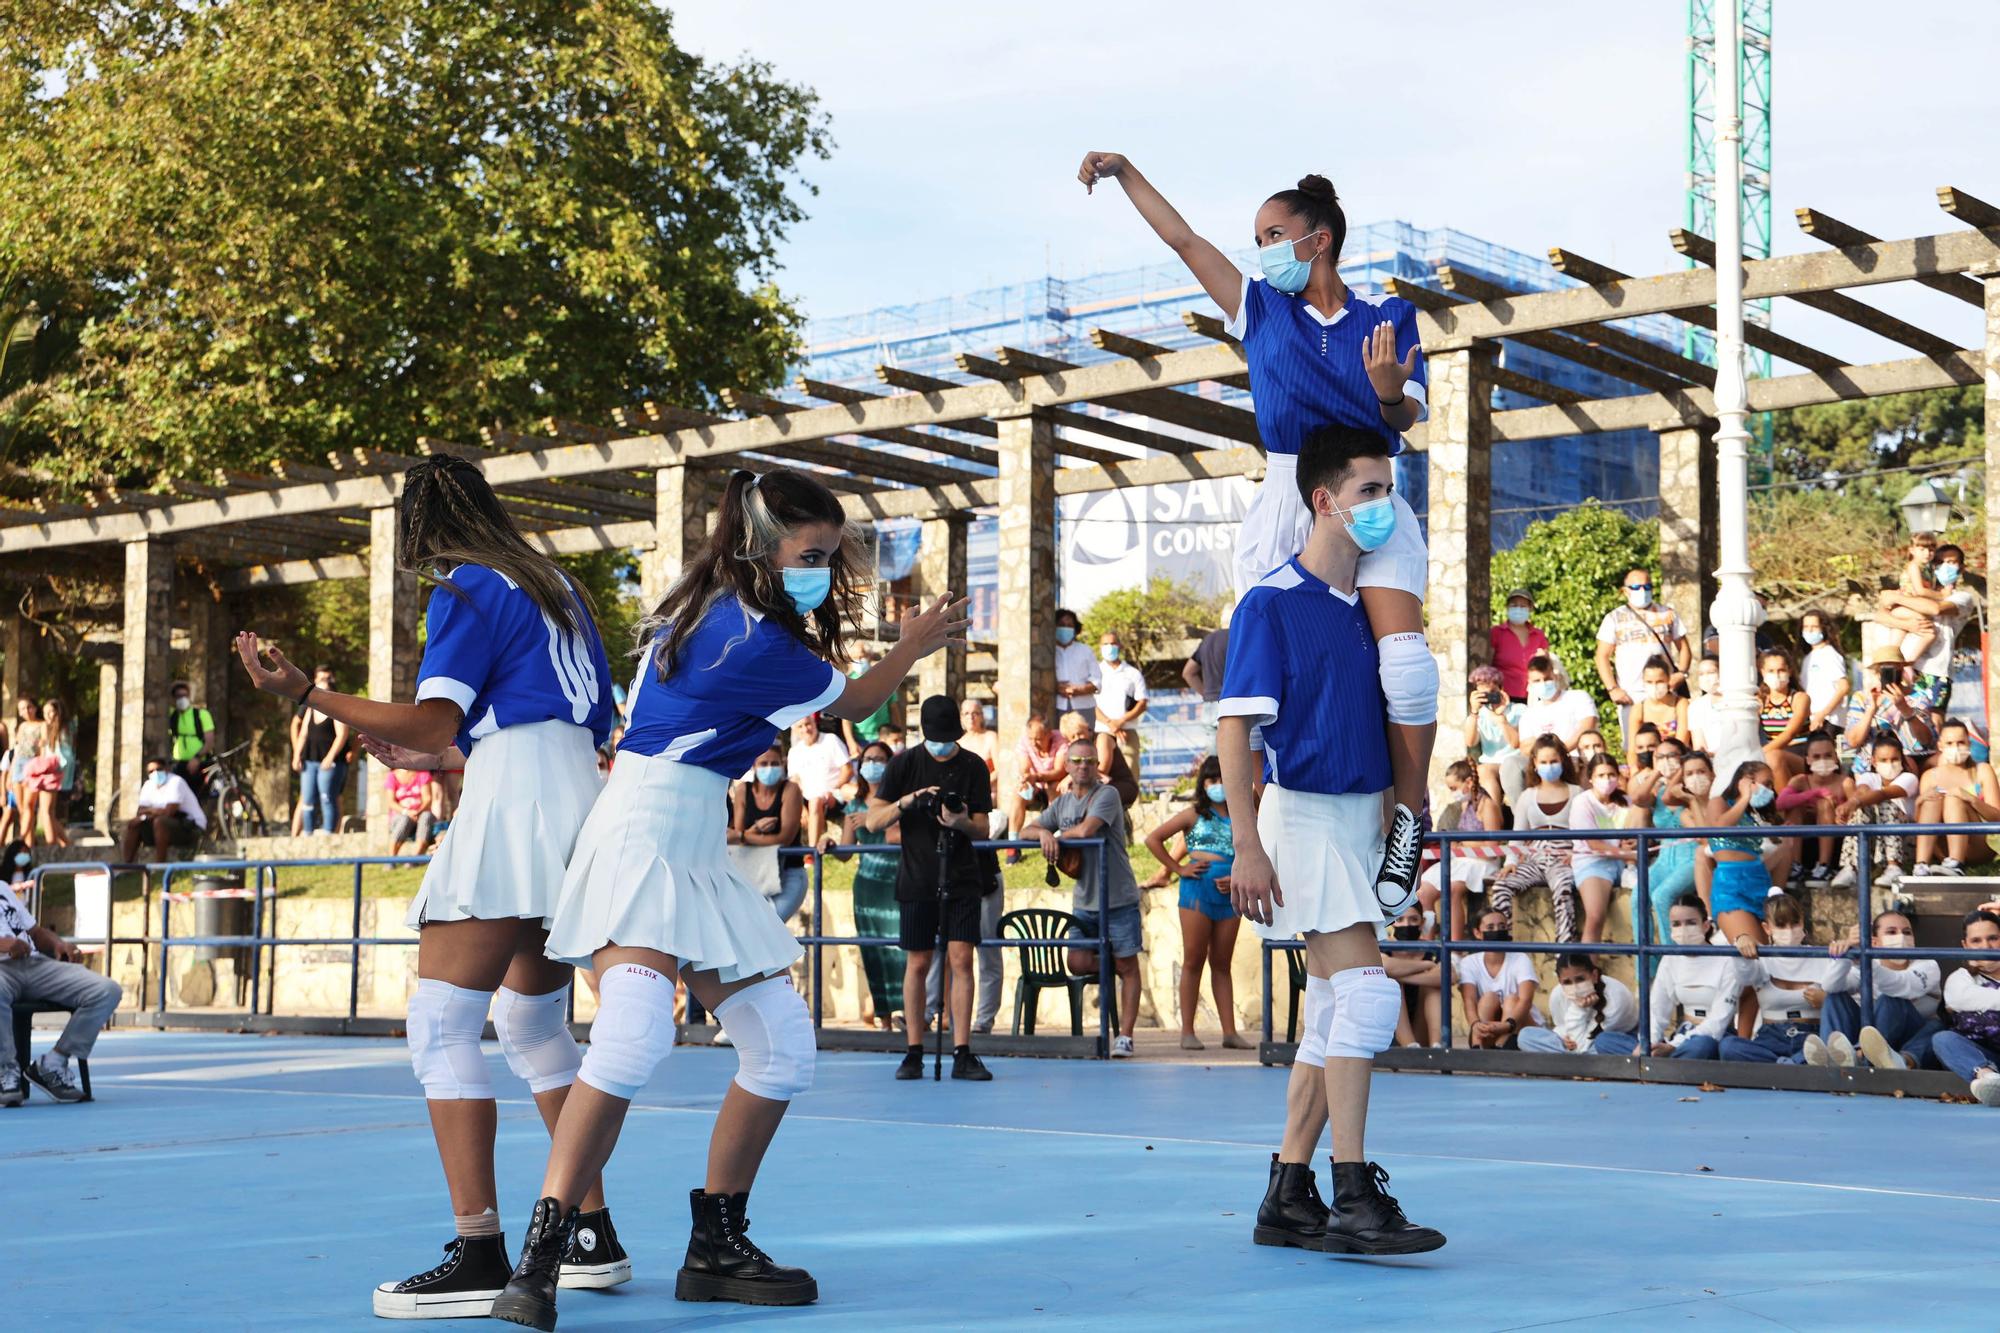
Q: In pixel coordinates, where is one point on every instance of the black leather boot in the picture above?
(1292, 1212)
(530, 1297)
(723, 1264)
(1365, 1219)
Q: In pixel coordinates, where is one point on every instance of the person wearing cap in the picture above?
(939, 797)
(192, 728)
(1514, 642)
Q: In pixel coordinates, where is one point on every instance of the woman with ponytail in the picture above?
(514, 688)
(1322, 354)
(751, 637)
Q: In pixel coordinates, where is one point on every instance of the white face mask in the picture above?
(1656, 690)
(1578, 991)
(1955, 754)
(1898, 939)
(1669, 766)
(1709, 684)
(1698, 783)
(1788, 937)
(1605, 786)
(1686, 934)
(1777, 680)
(1824, 768)
(1889, 770)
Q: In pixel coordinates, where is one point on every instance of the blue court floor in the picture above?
(227, 1182)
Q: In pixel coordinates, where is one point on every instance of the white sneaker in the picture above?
(1891, 877)
(1841, 1050)
(1951, 867)
(1987, 1088)
(1121, 1048)
(1815, 1051)
(1880, 1054)
(1845, 879)
(721, 1038)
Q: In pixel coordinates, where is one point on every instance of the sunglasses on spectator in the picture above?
(1089, 761)
(1638, 587)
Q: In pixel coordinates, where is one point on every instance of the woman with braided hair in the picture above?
(514, 688)
(1584, 1006)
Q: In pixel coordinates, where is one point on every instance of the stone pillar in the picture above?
(209, 654)
(1026, 621)
(1688, 522)
(1991, 276)
(109, 795)
(393, 602)
(941, 569)
(1458, 608)
(142, 682)
(20, 661)
(684, 510)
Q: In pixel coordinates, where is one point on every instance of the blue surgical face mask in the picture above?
(1761, 796)
(1283, 269)
(1217, 792)
(940, 749)
(1946, 574)
(1065, 635)
(1544, 690)
(1518, 615)
(808, 587)
(1813, 637)
(1111, 652)
(23, 860)
(1371, 524)
(872, 771)
(770, 774)
(158, 777)
(1549, 772)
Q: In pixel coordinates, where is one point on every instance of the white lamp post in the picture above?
(1926, 508)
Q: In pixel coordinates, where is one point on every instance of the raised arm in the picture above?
(1222, 280)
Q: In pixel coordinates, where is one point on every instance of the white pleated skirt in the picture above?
(1325, 850)
(528, 790)
(1277, 523)
(651, 870)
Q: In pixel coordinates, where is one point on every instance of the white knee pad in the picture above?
(1366, 1005)
(1409, 679)
(773, 1032)
(534, 1036)
(633, 1031)
(445, 1025)
(1315, 1022)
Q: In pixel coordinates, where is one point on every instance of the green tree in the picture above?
(1152, 622)
(282, 227)
(1867, 434)
(1574, 566)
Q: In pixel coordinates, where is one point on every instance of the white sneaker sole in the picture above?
(595, 1276)
(1986, 1091)
(414, 1305)
(1876, 1048)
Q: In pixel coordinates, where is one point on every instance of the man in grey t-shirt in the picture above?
(1089, 808)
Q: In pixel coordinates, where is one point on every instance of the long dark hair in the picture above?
(754, 515)
(1315, 201)
(1585, 963)
(1203, 807)
(451, 517)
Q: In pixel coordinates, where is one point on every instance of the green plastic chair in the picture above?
(1044, 964)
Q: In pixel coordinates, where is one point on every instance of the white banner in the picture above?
(1184, 531)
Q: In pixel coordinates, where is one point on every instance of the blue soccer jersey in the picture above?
(1306, 370)
(741, 679)
(495, 654)
(1303, 665)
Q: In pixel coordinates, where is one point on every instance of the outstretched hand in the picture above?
(1099, 166)
(280, 677)
(941, 624)
(1378, 357)
(400, 756)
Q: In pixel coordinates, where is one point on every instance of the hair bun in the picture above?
(1319, 187)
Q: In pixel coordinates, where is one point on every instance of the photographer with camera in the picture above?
(1492, 735)
(939, 796)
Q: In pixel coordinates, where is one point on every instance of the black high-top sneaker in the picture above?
(1365, 1218)
(723, 1264)
(530, 1297)
(594, 1257)
(462, 1287)
(1292, 1212)
(1396, 881)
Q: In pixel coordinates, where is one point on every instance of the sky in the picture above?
(958, 130)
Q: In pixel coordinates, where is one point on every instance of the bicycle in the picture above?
(238, 813)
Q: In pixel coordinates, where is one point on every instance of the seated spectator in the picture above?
(1598, 864)
(1490, 733)
(1421, 980)
(39, 966)
(1120, 777)
(1955, 790)
(1546, 805)
(1813, 797)
(1892, 705)
(1208, 920)
(1885, 794)
(1701, 989)
(894, 735)
(1513, 645)
(819, 763)
(1498, 989)
(1970, 1047)
(1658, 706)
(1585, 1005)
(768, 810)
(1089, 808)
(1789, 992)
(1912, 605)
(1036, 773)
(1679, 788)
(409, 793)
(1645, 740)
(1956, 605)
(1704, 716)
(166, 813)
(1782, 713)
(1898, 1034)
(1473, 811)
(1590, 748)
(1554, 709)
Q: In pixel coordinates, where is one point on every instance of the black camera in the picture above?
(946, 801)
(1494, 699)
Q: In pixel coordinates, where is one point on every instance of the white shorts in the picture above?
(1326, 851)
(1277, 524)
(528, 790)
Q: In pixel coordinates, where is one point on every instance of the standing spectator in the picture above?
(43, 780)
(1598, 864)
(1545, 805)
(29, 732)
(1631, 636)
(1703, 988)
(1121, 698)
(1788, 990)
(1584, 1006)
(1076, 669)
(1954, 790)
(1970, 1048)
(192, 728)
(1208, 920)
(1203, 673)
(319, 750)
(1554, 709)
(1824, 667)
(979, 738)
(1514, 644)
(1956, 606)
(1498, 989)
(768, 810)
(1912, 605)
(1898, 1034)
(818, 762)
(62, 747)
(875, 912)
(1120, 776)
(1704, 710)
(1492, 732)
(1782, 713)
(1741, 880)
(166, 812)
(36, 964)
(409, 793)
(1038, 760)
(859, 733)
(1473, 811)
(1885, 794)
(1090, 809)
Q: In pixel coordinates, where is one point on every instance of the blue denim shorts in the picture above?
(1740, 886)
(1201, 895)
(1124, 929)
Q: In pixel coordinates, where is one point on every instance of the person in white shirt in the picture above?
(1788, 992)
(818, 761)
(1545, 805)
(1633, 635)
(1076, 671)
(1899, 1032)
(1703, 988)
(1824, 668)
(1956, 605)
(1554, 708)
(1704, 710)
(1970, 1048)
(167, 812)
(38, 965)
(1584, 1006)
(1121, 698)
(1498, 989)
(1598, 864)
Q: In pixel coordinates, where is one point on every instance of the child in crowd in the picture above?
(1898, 1034)
(1813, 797)
(1741, 881)
(1885, 794)
(1491, 728)
(1970, 1048)
(1788, 1007)
(1663, 796)
(1782, 711)
(1208, 921)
(1473, 810)
(1824, 667)
(1498, 989)
(1545, 805)
(1659, 707)
(1598, 864)
(1955, 790)
(1703, 714)
(1585, 1006)
(1913, 605)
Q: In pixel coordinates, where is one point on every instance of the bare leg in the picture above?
(1221, 984)
(1737, 927)
(916, 981)
(1196, 930)
(958, 978)
(1128, 992)
(1595, 894)
(1305, 1114)
(1930, 810)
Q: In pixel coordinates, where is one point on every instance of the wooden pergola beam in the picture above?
(1514, 380)
(1182, 409)
(555, 541)
(1818, 225)
(1119, 344)
(860, 460)
(1669, 362)
(1115, 430)
(1973, 212)
(594, 499)
(931, 440)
